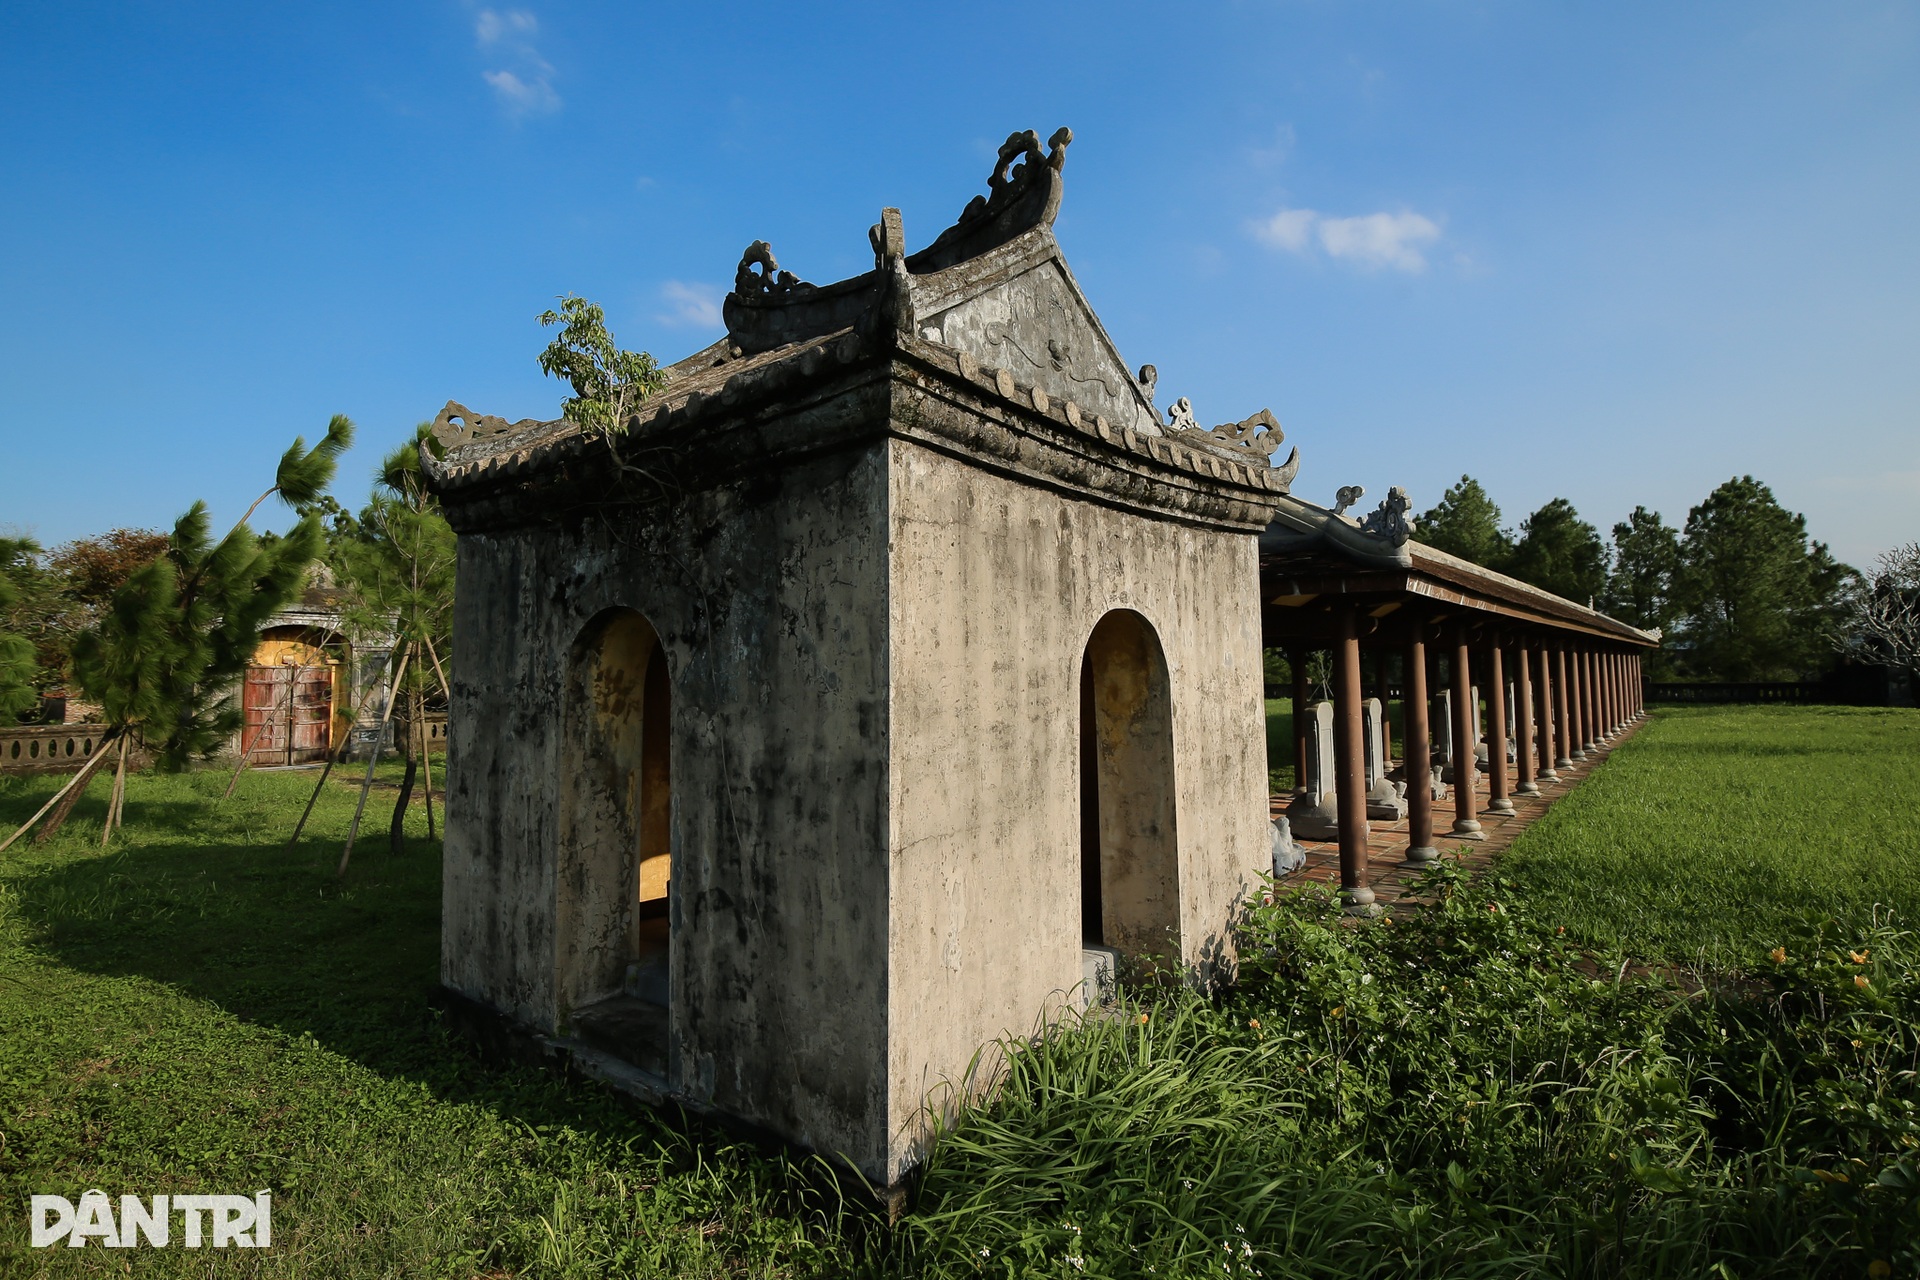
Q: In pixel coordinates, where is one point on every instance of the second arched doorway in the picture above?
(1129, 850)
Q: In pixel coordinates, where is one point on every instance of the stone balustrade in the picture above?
(48, 748)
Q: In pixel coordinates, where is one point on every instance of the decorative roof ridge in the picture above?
(479, 448)
(1018, 200)
(769, 306)
(1171, 451)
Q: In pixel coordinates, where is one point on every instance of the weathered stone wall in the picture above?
(997, 585)
(769, 595)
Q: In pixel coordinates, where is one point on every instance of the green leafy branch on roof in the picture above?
(608, 384)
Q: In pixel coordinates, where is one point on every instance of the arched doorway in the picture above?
(616, 833)
(1129, 853)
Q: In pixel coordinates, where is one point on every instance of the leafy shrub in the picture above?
(1464, 1089)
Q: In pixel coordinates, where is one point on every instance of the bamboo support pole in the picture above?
(373, 758)
(116, 798)
(335, 757)
(79, 779)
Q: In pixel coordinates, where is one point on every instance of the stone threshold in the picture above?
(1387, 841)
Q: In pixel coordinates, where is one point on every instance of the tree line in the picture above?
(1740, 592)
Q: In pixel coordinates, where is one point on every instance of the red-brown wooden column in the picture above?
(1349, 764)
(1543, 663)
(1639, 687)
(1575, 752)
(1596, 722)
(1419, 755)
(1616, 682)
(1579, 687)
(1562, 710)
(1497, 798)
(1297, 660)
(1602, 717)
(1465, 826)
(1613, 693)
(1602, 726)
(1523, 713)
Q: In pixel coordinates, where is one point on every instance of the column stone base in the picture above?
(1466, 829)
(1529, 788)
(1564, 762)
(1501, 805)
(1358, 901)
(1423, 856)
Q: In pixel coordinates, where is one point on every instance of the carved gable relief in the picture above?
(1038, 326)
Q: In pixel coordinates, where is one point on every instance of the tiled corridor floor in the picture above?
(1387, 842)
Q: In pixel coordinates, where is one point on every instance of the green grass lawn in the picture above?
(1478, 1089)
(1714, 830)
(198, 1010)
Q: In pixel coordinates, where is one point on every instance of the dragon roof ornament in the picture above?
(1017, 200)
(1251, 440)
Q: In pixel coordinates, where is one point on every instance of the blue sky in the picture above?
(1615, 253)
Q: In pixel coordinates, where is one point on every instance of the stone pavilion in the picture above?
(897, 668)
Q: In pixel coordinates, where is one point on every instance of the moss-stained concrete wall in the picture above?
(997, 585)
(874, 565)
(769, 595)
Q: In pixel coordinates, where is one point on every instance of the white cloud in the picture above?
(695, 306)
(1394, 240)
(490, 26)
(1380, 239)
(534, 96)
(525, 85)
(1289, 229)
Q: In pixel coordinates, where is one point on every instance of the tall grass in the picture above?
(1463, 1092)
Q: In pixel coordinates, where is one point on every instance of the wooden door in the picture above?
(312, 715)
(264, 701)
(289, 713)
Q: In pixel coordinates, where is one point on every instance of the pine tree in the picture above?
(1761, 602)
(1465, 523)
(19, 668)
(1559, 552)
(397, 558)
(179, 633)
(1641, 588)
(397, 563)
(1646, 561)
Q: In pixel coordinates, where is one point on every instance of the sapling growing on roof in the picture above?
(608, 383)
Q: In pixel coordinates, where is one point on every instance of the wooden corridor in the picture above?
(1387, 841)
